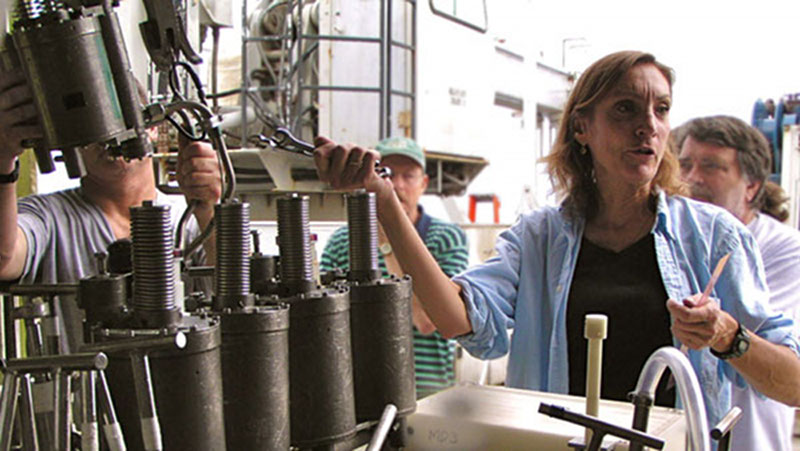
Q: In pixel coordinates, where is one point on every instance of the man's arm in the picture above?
(772, 369)
(17, 122)
(13, 245)
(200, 180)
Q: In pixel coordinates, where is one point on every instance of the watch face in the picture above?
(742, 346)
(739, 345)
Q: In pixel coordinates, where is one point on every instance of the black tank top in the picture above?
(626, 286)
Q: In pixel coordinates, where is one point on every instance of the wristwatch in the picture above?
(740, 345)
(385, 249)
(13, 176)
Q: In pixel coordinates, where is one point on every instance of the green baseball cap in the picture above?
(400, 145)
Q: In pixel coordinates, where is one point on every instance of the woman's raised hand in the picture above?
(347, 166)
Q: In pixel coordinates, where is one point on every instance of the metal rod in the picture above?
(35, 339)
(90, 439)
(414, 70)
(285, 57)
(255, 89)
(69, 362)
(214, 66)
(331, 37)
(44, 289)
(383, 428)
(403, 94)
(402, 45)
(111, 427)
(9, 327)
(313, 37)
(599, 427)
(340, 88)
(387, 115)
(244, 75)
(138, 343)
(300, 80)
(8, 405)
(30, 438)
(382, 72)
(151, 430)
(722, 431)
(51, 326)
(61, 410)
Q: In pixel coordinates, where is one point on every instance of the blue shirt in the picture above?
(526, 286)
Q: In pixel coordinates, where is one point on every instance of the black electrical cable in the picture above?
(174, 81)
(187, 130)
(198, 85)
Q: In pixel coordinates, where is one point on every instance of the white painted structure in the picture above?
(475, 95)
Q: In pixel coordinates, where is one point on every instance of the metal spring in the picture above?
(362, 226)
(30, 10)
(233, 249)
(153, 270)
(52, 7)
(294, 239)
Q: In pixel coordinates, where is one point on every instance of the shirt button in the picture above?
(559, 287)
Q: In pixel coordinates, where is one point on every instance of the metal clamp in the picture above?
(283, 139)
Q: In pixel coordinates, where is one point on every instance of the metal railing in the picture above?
(299, 47)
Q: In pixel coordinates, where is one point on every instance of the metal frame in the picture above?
(297, 83)
(461, 21)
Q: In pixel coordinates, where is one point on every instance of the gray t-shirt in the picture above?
(64, 230)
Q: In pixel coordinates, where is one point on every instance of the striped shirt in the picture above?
(434, 355)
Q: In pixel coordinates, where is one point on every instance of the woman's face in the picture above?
(627, 130)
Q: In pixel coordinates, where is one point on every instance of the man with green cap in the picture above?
(433, 355)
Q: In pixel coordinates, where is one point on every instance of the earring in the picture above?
(583, 150)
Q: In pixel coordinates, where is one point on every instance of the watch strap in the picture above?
(12, 176)
(739, 345)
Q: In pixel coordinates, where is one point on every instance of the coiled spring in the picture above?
(153, 269)
(233, 249)
(294, 239)
(363, 232)
(32, 10)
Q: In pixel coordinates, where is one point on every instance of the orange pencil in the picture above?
(707, 292)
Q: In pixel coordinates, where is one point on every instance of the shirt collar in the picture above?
(663, 219)
(423, 223)
(663, 216)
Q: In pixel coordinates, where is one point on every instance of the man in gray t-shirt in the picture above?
(52, 238)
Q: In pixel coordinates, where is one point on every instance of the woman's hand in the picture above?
(349, 167)
(698, 326)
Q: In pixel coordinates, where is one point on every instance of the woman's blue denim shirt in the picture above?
(526, 287)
